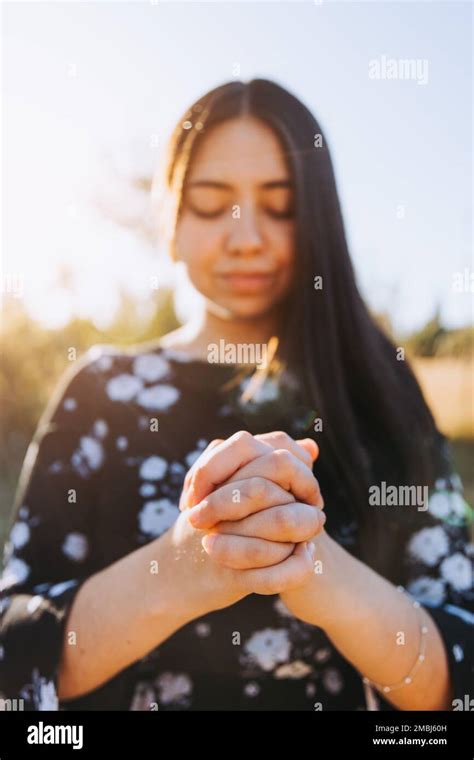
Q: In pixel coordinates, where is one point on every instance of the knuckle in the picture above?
(287, 521)
(257, 489)
(198, 477)
(218, 551)
(242, 436)
(314, 519)
(282, 458)
(251, 552)
(281, 437)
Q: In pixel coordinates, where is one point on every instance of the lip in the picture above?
(247, 281)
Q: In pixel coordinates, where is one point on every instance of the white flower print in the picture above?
(444, 503)
(158, 397)
(157, 516)
(458, 653)
(70, 404)
(173, 687)
(153, 468)
(147, 490)
(457, 570)
(58, 588)
(47, 698)
(251, 689)
(178, 355)
(439, 505)
(269, 647)
(456, 481)
(123, 387)
(15, 571)
(429, 545)
(332, 681)
(75, 546)
(121, 443)
(194, 455)
(100, 428)
(322, 655)
(203, 630)
(465, 615)
(34, 603)
(20, 534)
(458, 504)
(144, 423)
(425, 589)
(144, 697)
(296, 669)
(280, 606)
(150, 367)
(99, 361)
(92, 452)
(89, 456)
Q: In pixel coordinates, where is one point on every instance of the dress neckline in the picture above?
(183, 358)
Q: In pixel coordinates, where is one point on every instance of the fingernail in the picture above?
(311, 548)
(208, 541)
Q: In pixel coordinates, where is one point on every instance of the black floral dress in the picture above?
(103, 476)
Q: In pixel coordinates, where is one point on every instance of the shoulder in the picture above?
(143, 376)
(147, 361)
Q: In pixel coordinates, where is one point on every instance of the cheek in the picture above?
(284, 247)
(195, 247)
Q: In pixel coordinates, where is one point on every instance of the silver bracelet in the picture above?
(418, 663)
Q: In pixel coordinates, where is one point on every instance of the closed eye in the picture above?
(206, 201)
(211, 202)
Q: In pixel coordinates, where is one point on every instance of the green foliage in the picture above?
(425, 342)
(33, 359)
(435, 340)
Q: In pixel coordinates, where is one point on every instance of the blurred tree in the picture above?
(425, 342)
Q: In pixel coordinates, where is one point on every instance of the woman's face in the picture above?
(235, 232)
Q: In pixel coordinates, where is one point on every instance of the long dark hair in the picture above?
(376, 424)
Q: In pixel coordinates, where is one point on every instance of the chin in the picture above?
(249, 310)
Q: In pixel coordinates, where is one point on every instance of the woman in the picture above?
(169, 548)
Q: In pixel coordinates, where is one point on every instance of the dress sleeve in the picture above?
(49, 553)
(437, 570)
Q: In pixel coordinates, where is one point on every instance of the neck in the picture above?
(212, 328)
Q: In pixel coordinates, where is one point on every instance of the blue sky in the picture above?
(81, 80)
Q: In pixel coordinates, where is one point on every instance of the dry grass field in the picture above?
(449, 390)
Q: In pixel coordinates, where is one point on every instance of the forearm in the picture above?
(119, 615)
(374, 626)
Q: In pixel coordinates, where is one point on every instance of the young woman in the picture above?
(169, 548)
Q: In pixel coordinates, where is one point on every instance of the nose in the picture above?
(245, 237)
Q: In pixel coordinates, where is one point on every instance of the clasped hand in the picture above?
(257, 502)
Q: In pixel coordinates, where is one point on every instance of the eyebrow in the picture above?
(270, 185)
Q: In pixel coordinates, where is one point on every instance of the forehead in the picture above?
(241, 149)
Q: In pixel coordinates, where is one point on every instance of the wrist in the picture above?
(169, 588)
(323, 599)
